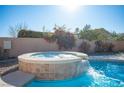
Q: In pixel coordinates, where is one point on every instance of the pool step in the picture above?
(18, 78)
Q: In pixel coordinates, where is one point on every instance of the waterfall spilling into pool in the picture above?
(97, 75)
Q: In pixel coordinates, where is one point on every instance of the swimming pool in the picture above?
(100, 74)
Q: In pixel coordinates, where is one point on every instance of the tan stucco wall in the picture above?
(119, 45)
(1, 43)
(25, 45)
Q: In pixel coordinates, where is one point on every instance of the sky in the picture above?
(35, 17)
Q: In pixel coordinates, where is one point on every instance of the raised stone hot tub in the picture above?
(54, 65)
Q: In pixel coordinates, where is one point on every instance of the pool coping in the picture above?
(107, 58)
(27, 58)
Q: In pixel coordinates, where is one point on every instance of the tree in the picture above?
(43, 29)
(84, 33)
(14, 30)
(95, 34)
(77, 32)
(86, 27)
(102, 34)
(65, 39)
(120, 37)
(114, 34)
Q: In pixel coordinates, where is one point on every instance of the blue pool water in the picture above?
(53, 55)
(99, 74)
(46, 54)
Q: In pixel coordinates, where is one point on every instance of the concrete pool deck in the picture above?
(17, 78)
(107, 57)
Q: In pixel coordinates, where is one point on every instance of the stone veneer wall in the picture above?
(54, 71)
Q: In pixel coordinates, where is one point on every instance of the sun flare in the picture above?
(71, 8)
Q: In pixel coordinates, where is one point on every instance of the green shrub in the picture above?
(95, 34)
(103, 46)
(49, 37)
(64, 38)
(30, 34)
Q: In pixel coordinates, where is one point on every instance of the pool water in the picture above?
(53, 55)
(99, 74)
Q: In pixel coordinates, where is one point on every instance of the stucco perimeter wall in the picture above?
(26, 45)
(1, 43)
(118, 45)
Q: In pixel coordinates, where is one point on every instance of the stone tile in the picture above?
(60, 68)
(46, 68)
(44, 76)
(59, 76)
(51, 76)
(52, 68)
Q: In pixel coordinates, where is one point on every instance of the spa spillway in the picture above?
(54, 65)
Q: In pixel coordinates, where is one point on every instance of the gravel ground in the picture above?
(8, 65)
